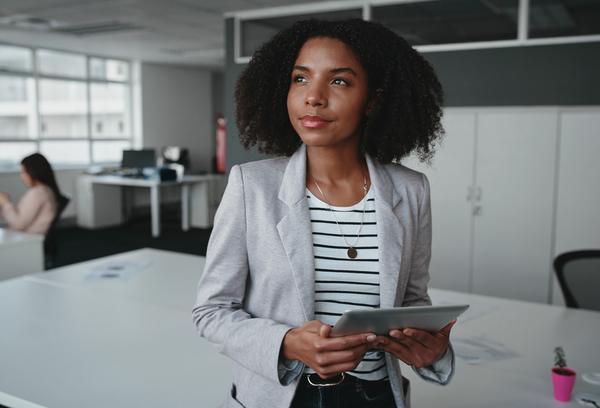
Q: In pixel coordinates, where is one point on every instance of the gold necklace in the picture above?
(351, 251)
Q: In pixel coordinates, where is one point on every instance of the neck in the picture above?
(333, 165)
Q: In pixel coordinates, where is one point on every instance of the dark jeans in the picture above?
(352, 393)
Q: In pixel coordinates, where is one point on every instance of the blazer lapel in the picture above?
(295, 230)
(390, 232)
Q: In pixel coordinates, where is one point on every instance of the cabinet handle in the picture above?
(477, 210)
(478, 194)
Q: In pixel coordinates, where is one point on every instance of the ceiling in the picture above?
(183, 32)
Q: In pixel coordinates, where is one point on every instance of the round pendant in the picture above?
(352, 253)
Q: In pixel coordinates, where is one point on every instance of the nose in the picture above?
(316, 96)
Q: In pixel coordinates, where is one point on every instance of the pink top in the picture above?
(34, 212)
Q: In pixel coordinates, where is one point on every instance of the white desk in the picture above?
(20, 253)
(531, 329)
(85, 197)
(69, 344)
(132, 344)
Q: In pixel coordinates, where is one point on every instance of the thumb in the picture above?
(445, 331)
(324, 330)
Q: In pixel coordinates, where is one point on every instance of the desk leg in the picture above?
(185, 207)
(155, 209)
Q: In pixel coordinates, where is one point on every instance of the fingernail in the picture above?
(408, 332)
(371, 337)
(396, 334)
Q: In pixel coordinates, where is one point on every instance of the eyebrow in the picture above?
(334, 71)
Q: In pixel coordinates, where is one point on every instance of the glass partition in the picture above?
(254, 32)
(563, 18)
(446, 22)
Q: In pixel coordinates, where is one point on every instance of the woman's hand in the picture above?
(4, 199)
(416, 347)
(327, 356)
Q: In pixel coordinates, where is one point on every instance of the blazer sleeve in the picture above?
(442, 371)
(219, 313)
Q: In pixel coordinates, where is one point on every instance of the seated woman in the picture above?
(36, 209)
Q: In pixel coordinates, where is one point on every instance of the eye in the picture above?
(299, 78)
(340, 81)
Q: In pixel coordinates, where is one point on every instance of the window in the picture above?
(447, 22)
(73, 108)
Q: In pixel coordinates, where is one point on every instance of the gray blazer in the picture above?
(258, 282)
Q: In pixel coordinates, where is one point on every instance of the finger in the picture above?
(398, 350)
(420, 336)
(445, 331)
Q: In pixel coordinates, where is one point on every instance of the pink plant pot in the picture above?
(563, 380)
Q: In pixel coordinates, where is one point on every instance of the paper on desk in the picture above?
(480, 349)
(115, 271)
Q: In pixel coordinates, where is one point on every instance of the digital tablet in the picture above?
(381, 321)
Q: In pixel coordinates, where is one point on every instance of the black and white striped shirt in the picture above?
(342, 283)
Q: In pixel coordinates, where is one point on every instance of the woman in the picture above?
(36, 209)
(329, 225)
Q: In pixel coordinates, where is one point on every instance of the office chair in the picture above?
(578, 274)
(50, 241)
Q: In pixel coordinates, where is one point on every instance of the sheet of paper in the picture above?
(480, 349)
(115, 271)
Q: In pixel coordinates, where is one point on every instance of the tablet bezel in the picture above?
(381, 321)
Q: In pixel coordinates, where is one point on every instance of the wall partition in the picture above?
(438, 25)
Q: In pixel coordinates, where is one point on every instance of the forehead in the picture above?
(327, 51)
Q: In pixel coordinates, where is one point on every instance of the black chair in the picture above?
(578, 274)
(50, 241)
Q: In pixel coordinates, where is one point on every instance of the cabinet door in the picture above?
(450, 177)
(516, 154)
(577, 215)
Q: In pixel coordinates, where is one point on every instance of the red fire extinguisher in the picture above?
(221, 141)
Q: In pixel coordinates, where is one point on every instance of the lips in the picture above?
(314, 122)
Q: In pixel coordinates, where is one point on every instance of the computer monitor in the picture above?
(138, 158)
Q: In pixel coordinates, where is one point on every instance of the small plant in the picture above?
(560, 362)
(560, 359)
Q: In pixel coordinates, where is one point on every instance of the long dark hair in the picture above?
(39, 169)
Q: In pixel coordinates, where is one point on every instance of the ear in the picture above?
(372, 102)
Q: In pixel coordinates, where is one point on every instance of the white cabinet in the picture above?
(512, 232)
(492, 185)
(578, 192)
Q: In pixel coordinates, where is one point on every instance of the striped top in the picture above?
(342, 283)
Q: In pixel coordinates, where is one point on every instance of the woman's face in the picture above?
(27, 179)
(328, 94)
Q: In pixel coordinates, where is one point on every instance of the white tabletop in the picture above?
(140, 182)
(170, 280)
(10, 238)
(531, 329)
(132, 344)
(73, 345)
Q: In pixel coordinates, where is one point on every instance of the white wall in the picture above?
(177, 110)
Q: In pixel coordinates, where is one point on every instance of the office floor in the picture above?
(79, 244)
